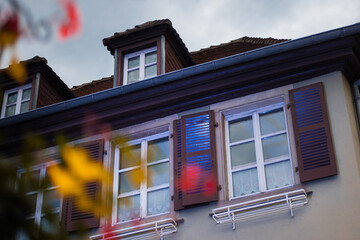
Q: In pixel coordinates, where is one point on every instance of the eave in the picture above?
(196, 86)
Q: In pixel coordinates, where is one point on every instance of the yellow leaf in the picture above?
(68, 185)
(17, 70)
(82, 166)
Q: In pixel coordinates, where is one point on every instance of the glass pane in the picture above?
(128, 208)
(31, 200)
(158, 174)
(243, 154)
(158, 149)
(10, 111)
(30, 181)
(278, 175)
(130, 156)
(241, 129)
(12, 97)
(129, 181)
(133, 62)
(51, 200)
(245, 182)
(272, 121)
(26, 94)
(158, 202)
(275, 146)
(150, 71)
(50, 223)
(25, 106)
(150, 57)
(133, 76)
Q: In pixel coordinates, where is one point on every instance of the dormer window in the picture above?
(140, 65)
(16, 100)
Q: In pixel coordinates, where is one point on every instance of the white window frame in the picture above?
(260, 164)
(142, 64)
(40, 192)
(19, 90)
(143, 186)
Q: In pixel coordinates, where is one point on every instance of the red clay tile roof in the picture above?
(231, 48)
(93, 87)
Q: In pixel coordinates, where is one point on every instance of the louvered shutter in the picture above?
(73, 218)
(195, 159)
(314, 147)
(178, 165)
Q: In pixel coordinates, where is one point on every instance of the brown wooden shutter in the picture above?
(195, 160)
(73, 218)
(314, 145)
(178, 165)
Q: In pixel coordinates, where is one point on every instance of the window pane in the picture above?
(242, 154)
(12, 97)
(30, 181)
(50, 223)
(150, 57)
(10, 111)
(158, 149)
(275, 146)
(133, 76)
(158, 174)
(133, 62)
(241, 129)
(278, 175)
(51, 200)
(31, 200)
(129, 181)
(128, 208)
(25, 106)
(245, 182)
(272, 121)
(130, 156)
(158, 202)
(150, 71)
(26, 94)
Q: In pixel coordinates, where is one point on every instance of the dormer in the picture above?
(148, 50)
(41, 87)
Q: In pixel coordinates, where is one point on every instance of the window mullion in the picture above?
(143, 192)
(116, 186)
(39, 197)
(142, 66)
(259, 153)
(18, 102)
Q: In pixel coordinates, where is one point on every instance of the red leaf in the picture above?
(71, 25)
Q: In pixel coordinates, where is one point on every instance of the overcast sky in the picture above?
(200, 24)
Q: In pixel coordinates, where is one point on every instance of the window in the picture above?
(140, 65)
(258, 151)
(142, 178)
(43, 198)
(16, 101)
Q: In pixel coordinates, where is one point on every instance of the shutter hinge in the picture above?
(105, 152)
(296, 169)
(171, 135)
(172, 197)
(216, 124)
(219, 187)
(288, 106)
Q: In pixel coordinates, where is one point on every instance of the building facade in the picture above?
(254, 139)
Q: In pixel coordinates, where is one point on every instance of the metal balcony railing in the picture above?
(153, 230)
(260, 207)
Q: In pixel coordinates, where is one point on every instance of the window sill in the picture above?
(259, 195)
(149, 230)
(272, 203)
